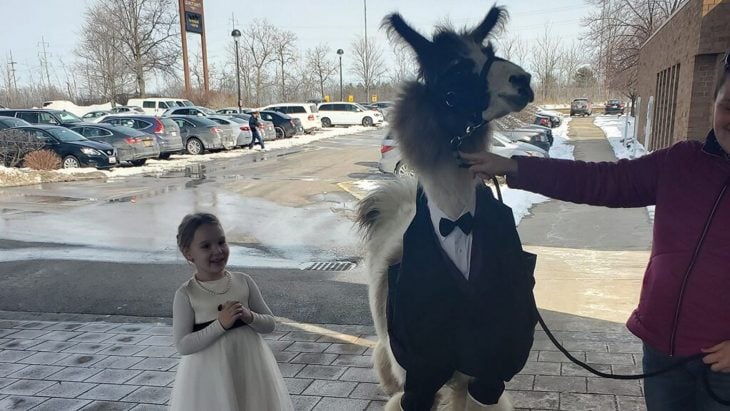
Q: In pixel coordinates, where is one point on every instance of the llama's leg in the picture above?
(393, 403)
(383, 368)
(423, 381)
(504, 404)
(487, 396)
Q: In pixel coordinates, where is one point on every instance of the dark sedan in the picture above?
(283, 123)
(74, 149)
(10, 122)
(614, 107)
(132, 145)
(167, 132)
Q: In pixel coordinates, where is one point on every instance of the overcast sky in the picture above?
(334, 22)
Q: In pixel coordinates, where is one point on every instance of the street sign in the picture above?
(374, 98)
(193, 16)
(326, 99)
(350, 99)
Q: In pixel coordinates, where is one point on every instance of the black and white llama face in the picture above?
(463, 73)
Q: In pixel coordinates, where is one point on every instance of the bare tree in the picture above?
(260, 45)
(367, 63)
(513, 48)
(405, 67)
(545, 62)
(321, 65)
(572, 57)
(146, 32)
(285, 53)
(101, 58)
(617, 29)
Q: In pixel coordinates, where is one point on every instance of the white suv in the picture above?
(332, 114)
(306, 112)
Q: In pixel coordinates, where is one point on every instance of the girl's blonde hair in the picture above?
(189, 225)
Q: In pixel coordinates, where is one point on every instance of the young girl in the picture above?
(218, 317)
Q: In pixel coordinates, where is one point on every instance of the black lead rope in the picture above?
(679, 363)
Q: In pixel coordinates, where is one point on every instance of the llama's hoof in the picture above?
(504, 404)
(393, 403)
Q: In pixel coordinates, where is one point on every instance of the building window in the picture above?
(665, 109)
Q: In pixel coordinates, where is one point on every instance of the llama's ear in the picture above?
(496, 17)
(394, 24)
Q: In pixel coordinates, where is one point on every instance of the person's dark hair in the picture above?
(724, 74)
(189, 225)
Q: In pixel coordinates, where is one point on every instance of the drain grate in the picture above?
(329, 266)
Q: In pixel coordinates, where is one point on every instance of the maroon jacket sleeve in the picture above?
(626, 183)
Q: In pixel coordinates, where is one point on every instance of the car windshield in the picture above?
(237, 120)
(67, 117)
(171, 104)
(360, 107)
(614, 101)
(206, 110)
(128, 131)
(201, 121)
(65, 134)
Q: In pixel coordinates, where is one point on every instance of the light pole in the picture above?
(236, 34)
(340, 52)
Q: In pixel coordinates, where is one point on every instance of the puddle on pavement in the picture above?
(42, 199)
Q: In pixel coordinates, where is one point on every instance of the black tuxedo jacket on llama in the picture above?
(483, 326)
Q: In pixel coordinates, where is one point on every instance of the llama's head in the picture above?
(463, 79)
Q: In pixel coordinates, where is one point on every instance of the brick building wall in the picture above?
(692, 41)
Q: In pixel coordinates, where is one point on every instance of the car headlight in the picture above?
(90, 151)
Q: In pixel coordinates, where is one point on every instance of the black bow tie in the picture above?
(465, 223)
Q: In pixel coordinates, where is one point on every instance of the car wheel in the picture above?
(279, 132)
(194, 146)
(164, 156)
(71, 162)
(402, 170)
(138, 163)
(367, 122)
(326, 122)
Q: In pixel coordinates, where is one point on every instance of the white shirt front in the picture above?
(457, 244)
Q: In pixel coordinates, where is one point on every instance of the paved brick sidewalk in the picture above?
(65, 365)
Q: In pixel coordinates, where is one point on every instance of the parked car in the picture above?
(239, 128)
(127, 109)
(391, 161)
(535, 137)
(307, 113)
(74, 149)
(614, 107)
(10, 122)
(503, 146)
(555, 118)
(581, 106)
(267, 130)
(385, 107)
(333, 114)
(189, 111)
(283, 124)
(200, 134)
(132, 145)
(94, 115)
(43, 116)
(155, 106)
(165, 129)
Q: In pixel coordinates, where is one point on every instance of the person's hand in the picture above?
(229, 313)
(718, 357)
(485, 164)
(246, 315)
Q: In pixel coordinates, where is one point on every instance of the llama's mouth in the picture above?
(516, 101)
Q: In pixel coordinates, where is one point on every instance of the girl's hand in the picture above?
(247, 315)
(485, 164)
(230, 312)
(718, 357)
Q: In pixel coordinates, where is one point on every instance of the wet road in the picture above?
(108, 247)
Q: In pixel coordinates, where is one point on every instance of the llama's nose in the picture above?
(522, 83)
(520, 80)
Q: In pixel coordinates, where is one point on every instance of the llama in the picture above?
(462, 86)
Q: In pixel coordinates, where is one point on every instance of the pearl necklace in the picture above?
(228, 285)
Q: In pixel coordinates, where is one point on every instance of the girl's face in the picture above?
(209, 250)
(721, 118)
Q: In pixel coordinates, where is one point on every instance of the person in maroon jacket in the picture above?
(684, 308)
